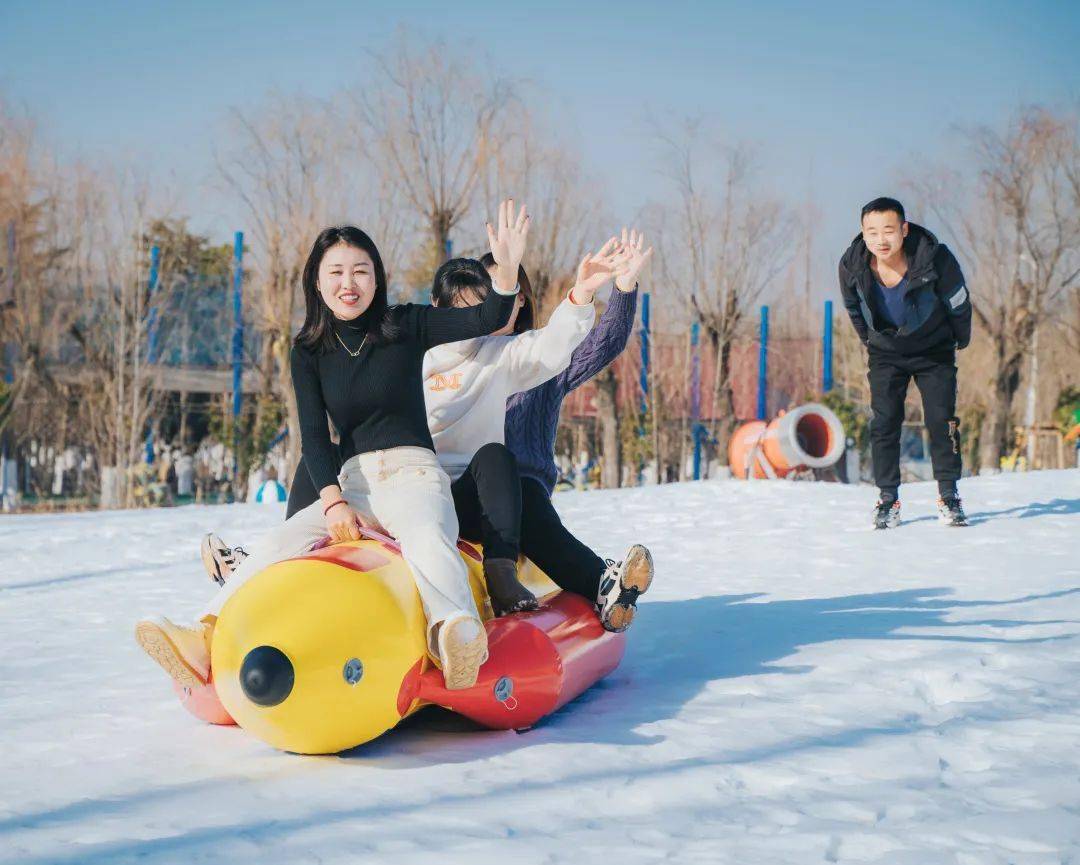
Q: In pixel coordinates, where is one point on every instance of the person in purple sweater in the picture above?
(532, 419)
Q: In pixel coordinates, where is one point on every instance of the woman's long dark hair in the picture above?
(318, 329)
(526, 319)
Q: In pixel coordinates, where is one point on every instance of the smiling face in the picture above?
(346, 280)
(884, 232)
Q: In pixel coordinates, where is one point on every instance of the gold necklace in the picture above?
(348, 350)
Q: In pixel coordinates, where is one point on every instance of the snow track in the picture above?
(798, 688)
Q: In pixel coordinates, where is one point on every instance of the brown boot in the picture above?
(506, 593)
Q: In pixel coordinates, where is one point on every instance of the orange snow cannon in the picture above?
(808, 437)
(324, 652)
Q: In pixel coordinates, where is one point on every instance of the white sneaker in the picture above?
(184, 653)
(621, 585)
(220, 560)
(463, 649)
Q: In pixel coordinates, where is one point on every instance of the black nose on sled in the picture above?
(266, 676)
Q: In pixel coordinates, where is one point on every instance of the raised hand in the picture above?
(634, 258)
(596, 269)
(507, 241)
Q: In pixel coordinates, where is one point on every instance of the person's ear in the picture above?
(904, 229)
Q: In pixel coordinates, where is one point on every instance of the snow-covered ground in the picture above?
(797, 689)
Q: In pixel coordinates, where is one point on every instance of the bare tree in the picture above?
(1068, 157)
(119, 308)
(433, 124)
(32, 311)
(563, 203)
(37, 302)
(285, 169)
(724, 245)
(1019, 237)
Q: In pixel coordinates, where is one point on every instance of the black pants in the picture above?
(542, 536)
(935, 376)
(487, 499)
(551, 547)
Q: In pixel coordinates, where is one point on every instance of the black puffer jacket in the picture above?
(938, 309)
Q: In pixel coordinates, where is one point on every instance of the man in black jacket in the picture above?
(908, 302)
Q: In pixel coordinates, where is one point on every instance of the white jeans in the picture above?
(407, 491)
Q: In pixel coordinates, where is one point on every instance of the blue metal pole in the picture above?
(763, 367)
(237, 346)
(449, 249)
(152, 315)
(826, 351)
(644, 357)
(695, 394)
(152, 333)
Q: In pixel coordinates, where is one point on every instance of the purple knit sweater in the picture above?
(532, 417)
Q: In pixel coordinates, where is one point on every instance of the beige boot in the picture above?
(462, 650)
(184, 653)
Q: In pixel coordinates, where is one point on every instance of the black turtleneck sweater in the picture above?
(376, 400)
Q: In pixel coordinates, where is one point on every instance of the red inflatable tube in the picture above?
(537, 662)
(203, 703)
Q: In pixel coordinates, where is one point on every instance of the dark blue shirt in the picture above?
(890, 301)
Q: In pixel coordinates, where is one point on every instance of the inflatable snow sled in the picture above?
(323, 652)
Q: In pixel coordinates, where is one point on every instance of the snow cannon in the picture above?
(808, 437)
(323, 652)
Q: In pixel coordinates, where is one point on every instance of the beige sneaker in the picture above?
(462, 651)
(184, 653)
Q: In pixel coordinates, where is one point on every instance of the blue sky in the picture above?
(862, 92)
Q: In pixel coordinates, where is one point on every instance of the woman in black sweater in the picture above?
(360, 362)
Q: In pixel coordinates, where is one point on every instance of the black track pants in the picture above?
(935, 377)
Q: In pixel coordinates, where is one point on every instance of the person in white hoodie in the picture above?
(467, 385)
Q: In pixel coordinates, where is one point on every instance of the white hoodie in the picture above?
(467, 383)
